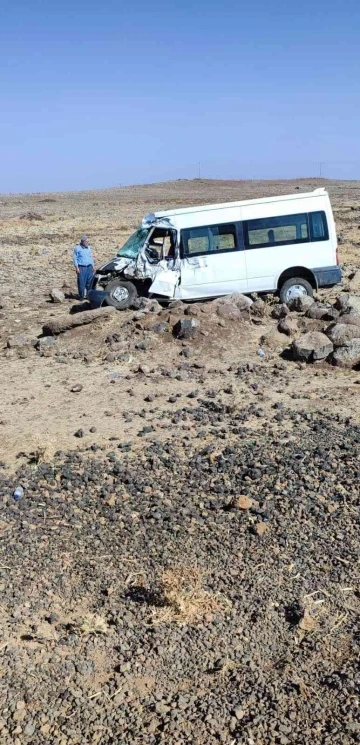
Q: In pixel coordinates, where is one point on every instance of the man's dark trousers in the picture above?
(84, 279)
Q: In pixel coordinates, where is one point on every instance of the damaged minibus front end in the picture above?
(148, 264)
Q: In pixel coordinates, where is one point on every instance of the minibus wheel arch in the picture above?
(297, 271)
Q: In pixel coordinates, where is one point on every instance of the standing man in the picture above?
(84, 266)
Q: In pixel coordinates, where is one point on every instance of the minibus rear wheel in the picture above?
(295, 287)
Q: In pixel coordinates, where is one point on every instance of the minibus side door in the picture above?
(167, 273)
(212, 261)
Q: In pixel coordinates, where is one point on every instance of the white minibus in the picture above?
(284, 244)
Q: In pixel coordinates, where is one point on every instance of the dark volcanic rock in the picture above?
(321, 312)
(341, 333)
(347, 355)
(288, 326)
(186, 328)
(342, 302)
(259, 308)
(280, 311)
(161, 328)
(45, 343)
(311, 347)
(301, 304)
(229, 311)
(242, 302)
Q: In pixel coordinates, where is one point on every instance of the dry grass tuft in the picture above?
(90, 624)
(40, 450)
(43, 451)
(183, 598)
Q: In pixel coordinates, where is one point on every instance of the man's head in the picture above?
(84, 241)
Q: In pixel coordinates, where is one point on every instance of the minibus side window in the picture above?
(276, 231)
(209, 239)
(318, 226)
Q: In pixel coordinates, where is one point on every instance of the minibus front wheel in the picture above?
(295, 287)
(121, 294)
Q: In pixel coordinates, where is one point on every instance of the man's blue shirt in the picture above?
(82, 256)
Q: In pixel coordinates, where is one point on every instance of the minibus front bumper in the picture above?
(326, 276)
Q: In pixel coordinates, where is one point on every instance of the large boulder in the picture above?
(146, 305)
(354, 281)
(331, 315)
(56, 326)
(57, 296)
(153, 306)
(161, 328)
(280, 311)
(311, 347)
(243, 302)
(186, 328)
(288, 326)
(45, 343)
(18, 341)
(342, 302)
(354, 303)
(140, 303)
(321, 312)
(229, 311)
(192, 310)
(341, 333)
(273, 340)
(301, 304)
(176, 305)
(259, 308)
(348, 355)
(347, 301)
(351, 318)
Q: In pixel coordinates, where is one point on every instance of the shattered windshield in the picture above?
(133, 244)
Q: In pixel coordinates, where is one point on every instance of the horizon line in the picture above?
(124, 187)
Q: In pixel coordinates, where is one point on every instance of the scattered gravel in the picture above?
(267, 518)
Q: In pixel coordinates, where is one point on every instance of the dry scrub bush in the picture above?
(183, 598)
(39, 450)
(90, 624)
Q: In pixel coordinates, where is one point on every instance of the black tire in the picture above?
(129, 294)
(294, 282)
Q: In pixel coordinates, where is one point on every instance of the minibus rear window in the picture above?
(318, 226)
(276, 231)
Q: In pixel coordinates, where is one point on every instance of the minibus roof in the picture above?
(225, 205)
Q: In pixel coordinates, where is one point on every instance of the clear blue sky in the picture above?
(97, 94)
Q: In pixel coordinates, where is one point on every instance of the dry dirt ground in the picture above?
(37, 408)
(186, 571)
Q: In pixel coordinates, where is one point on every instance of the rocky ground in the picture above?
(37, 234)
(184, 564)
(194, 594)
